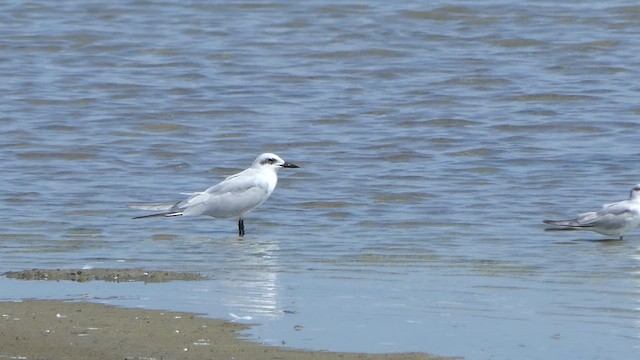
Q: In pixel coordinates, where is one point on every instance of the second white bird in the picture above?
(614, 219)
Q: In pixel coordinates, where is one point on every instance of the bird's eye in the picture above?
(270, 161)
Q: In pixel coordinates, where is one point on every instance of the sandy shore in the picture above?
(46, 329)
(78, 330)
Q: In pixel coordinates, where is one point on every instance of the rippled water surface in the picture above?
(433, 139)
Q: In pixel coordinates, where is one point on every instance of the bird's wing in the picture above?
(237, 182)
(614, 216)
(614, 204)
(234, 196)
(227, 185)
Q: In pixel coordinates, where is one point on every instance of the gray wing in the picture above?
(234, 196)
(617, 207)
(614, 216)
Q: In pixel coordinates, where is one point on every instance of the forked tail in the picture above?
(167, 208)
(562, 225)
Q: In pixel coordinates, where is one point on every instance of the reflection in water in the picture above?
(251, 287)
(636, 275)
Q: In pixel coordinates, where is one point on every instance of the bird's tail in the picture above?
(165, 206)
(564, 225)
(167, 214)
(166, 209)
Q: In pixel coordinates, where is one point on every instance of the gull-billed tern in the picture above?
(235, 196)
(614, 219)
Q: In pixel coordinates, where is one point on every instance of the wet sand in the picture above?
(78, 330)
(50, 329)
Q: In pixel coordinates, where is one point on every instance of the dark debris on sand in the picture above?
(111, 275)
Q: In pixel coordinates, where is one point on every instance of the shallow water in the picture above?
(433, 140)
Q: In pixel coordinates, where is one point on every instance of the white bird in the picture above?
(614, 219)
(235, 196)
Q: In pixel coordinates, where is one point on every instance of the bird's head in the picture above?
(272, 161)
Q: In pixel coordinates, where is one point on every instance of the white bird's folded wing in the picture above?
(234, 196)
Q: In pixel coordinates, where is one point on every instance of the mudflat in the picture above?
(46, 329)
(74, 330)
(111, 275)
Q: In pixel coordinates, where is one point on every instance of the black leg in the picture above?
(241, 227)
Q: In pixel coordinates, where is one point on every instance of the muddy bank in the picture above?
(112, 275)
(77, 330)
